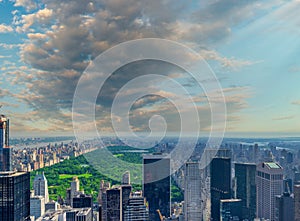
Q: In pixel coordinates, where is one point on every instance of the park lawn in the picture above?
(69, 176)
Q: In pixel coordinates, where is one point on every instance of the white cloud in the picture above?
(5, 28)
(36, 36)
(42, 16)
(284, 117)
(10, 46)
(232, 63)
(28, 4)
(3, 56)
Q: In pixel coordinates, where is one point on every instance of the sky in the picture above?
(251, 46)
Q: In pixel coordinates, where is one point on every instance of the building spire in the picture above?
(5, 151)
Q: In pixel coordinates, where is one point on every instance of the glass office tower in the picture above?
(220, 184)
(157, 185)
(245, 174)
(14, 196)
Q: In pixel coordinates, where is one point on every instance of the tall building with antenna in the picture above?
(5, 150)
(15, 186)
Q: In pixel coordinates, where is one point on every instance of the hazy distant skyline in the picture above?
(252, 46)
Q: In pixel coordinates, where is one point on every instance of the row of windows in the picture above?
(268, 176)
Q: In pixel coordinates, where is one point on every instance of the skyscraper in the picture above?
(102, 199)
(14, 186)
(246, 188)
(126, 178)
(14, 196)
(269, 184)
(230, 209)
(83, 214)
(117, 199)
(210, 153)
(284, 207)
(220, 185)
(136, 209)
(40, 186)
(125, 192)
(297, 202)
(75, 185)
(37, 206)
(113, 204)
(5, 150)
(192, 192)
(82, 201)
(157, 185)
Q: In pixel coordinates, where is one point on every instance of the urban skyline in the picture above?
(123, 110)
(259, 189)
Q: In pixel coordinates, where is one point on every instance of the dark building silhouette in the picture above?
(157, 185)
(297, 202)
(113, 208)
(14, 196)
(285, 208)
(231, 209)
(125, 191)
(116, 201)
(220, 184)
(246, 189)
(82, 201)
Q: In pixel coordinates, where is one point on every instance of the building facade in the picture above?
(14, 196)
(40, 186)
(84, 214)
(192, 192)
(220, 184)
(5, 150)
(246, 188)
(136, 209)
(82, 201)
(230, 209)
(126, 178)
(269, 184)
(113, 204)
(297, 202)
(37, 206)
(125, 192)
(157, 185)
(285, 207)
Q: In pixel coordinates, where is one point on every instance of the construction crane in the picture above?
(161, 217)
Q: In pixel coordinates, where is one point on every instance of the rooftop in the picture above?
(230, 200)
(156, 156)
(273, 165)
(10, 173)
